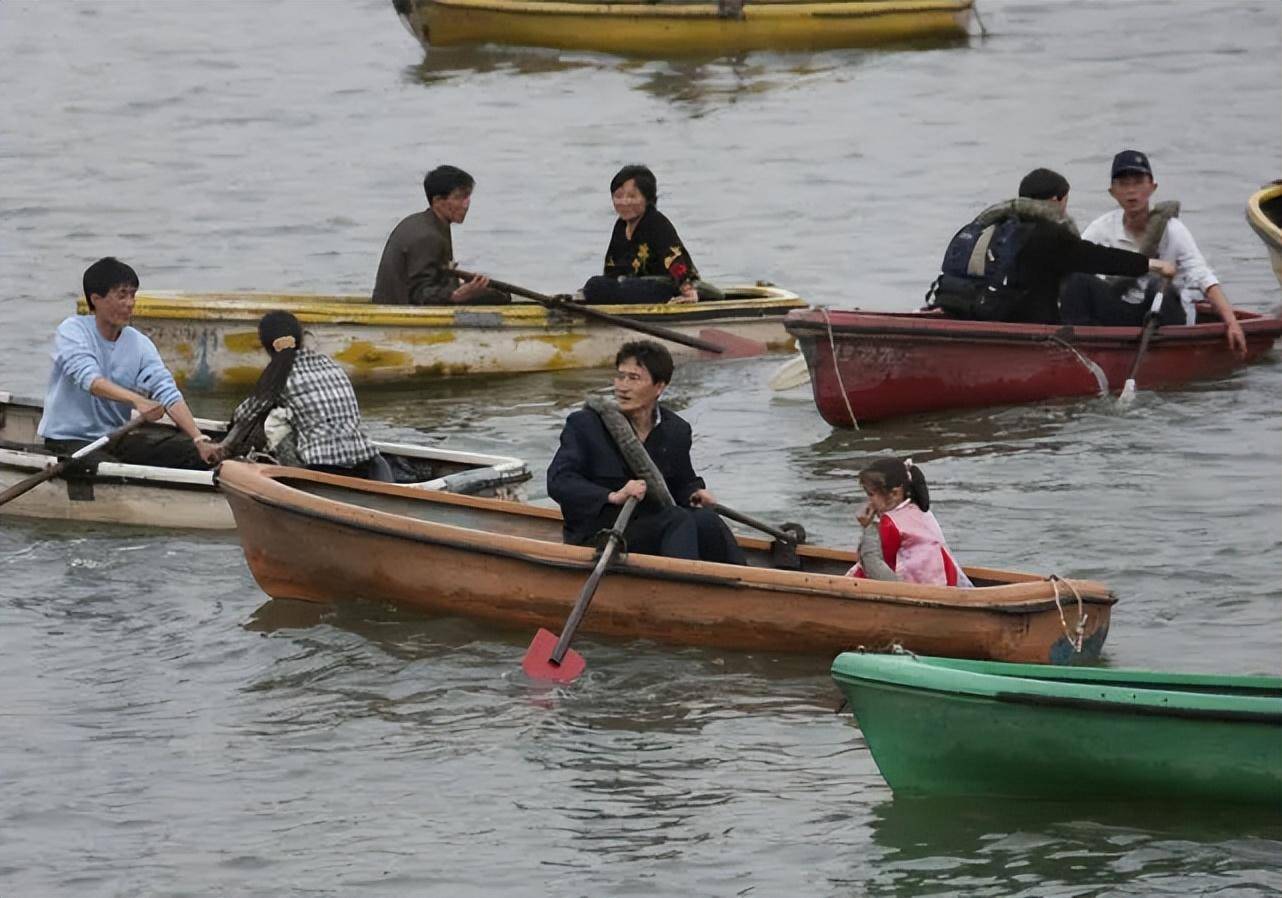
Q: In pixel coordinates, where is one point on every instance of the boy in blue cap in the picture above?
(1157, 233)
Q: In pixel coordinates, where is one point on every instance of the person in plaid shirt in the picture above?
(320, 403)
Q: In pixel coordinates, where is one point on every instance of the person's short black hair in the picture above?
(444, 180)
(1043, 184)
(105, 275)
(652, 356)
(646, 182)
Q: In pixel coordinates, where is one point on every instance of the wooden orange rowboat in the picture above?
(318, 537)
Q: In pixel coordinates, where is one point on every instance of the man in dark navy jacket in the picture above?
(590, 479)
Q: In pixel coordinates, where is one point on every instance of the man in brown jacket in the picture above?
(419, 248)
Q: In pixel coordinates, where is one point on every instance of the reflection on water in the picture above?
(442, 64)
(698, 86)
(993, 846)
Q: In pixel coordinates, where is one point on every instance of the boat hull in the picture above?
(503, 563)
(939, 727)
(1264, 214)
(210, 341)
(684, 29)
(142, 495)
(878, 365)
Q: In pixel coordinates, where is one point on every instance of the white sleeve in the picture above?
(1098, 231)
(1180, 247)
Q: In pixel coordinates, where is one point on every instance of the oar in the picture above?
(550, 657)
(54, 470)
(783, 536)
(783, 551)
(654, 330)
(1150, 327)
(792, 373)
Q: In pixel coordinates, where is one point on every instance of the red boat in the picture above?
(892, 364)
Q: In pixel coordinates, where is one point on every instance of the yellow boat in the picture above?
(1264, 213)
(682, 27)
(210, 340)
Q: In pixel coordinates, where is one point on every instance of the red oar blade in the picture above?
(539, 665)
(732, 346)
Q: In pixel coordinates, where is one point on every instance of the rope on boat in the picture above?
(1100, 377)
(1074, 640)
(832, 345)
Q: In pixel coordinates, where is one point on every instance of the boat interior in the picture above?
(19, 418)
(533, 522)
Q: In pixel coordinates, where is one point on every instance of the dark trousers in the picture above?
(162, 448)
(376, 468)
(698, 534)
(1086, 300)
(604, 290)
(490, 297)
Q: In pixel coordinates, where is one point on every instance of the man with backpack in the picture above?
(1008, 263)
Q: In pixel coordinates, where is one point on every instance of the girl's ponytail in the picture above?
(916, 485)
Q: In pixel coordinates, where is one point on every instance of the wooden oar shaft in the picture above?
(1151, 321)
(781, 535)
(551, 302)
(589, 588)
(30, 483)
(1150, 327)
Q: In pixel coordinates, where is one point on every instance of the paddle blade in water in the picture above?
(1128, 393)
(538, 663)
(732, 346)
(792, 373)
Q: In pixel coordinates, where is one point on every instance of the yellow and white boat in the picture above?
(210, 340)
(683, 27)
(1264, 213)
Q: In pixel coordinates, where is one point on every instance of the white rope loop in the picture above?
(1075, 639)
(832, 345)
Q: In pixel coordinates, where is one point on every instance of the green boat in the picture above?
(945, 727)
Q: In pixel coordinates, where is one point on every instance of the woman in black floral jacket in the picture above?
(646, 261)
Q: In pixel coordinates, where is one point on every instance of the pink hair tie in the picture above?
(285, 342)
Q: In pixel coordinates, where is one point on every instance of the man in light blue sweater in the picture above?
(103, 369)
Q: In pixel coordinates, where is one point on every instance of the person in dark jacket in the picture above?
(1052, 251)
(410, 271)
(591, 480)
(1010, 263)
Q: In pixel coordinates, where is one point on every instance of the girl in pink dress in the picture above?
(912, 543)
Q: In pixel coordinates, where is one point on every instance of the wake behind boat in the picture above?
(174, 498)
(208, 340)
(317, 537)
(867, 366)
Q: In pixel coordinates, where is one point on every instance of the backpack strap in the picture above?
(1158, 218)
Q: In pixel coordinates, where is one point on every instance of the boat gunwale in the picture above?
(508, 469)
(331, 309)
(927, 327)
(1258, 218)
(701, 9)
(940, 676)
(263, 481)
